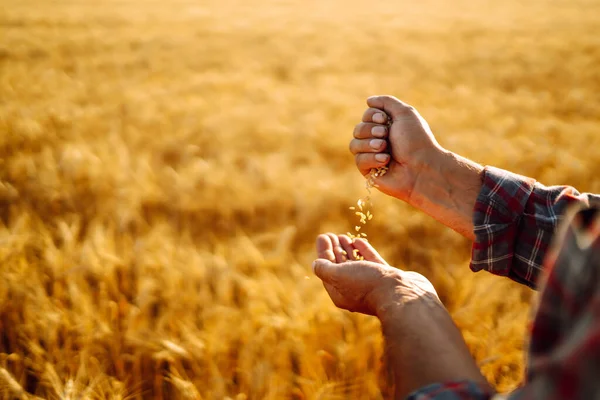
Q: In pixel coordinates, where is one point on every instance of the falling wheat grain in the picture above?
(364, 206)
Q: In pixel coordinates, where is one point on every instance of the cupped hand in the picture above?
(368, 286)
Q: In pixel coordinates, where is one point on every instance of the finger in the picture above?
(367, 145)
(368, 251)
(346, 244)
(367, 161)
(390, 104)
(367, 130)
(340, 257)
(325, 248)
(375, 115)
(324, 269)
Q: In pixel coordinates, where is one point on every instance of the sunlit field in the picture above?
(166, 166)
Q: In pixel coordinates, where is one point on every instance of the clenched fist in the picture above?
(394, 134)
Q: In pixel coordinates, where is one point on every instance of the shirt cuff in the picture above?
(459, 390)
(496, 216)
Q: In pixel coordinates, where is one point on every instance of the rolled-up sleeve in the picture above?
(564, 347)
(461, 390)
(514, 221)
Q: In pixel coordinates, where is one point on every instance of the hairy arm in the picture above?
(424, 346)
(420, 171)
(510, 218)
(447, 189)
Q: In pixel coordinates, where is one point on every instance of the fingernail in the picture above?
(381, 157)
(379, 118)
(376, 144)
(378, 131)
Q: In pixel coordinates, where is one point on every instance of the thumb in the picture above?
(324, 269)
(390, 104)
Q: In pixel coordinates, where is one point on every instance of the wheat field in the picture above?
(166, 166)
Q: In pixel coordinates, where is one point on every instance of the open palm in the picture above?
(363, 286)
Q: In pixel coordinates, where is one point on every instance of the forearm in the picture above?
(447, 188)
(424, 346)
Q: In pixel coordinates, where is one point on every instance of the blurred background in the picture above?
(165, 167)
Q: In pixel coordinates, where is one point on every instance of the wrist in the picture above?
(395, 311)
(447, 188)
(401, 293)
(441, 175)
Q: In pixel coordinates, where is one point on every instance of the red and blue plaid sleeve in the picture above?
(461, 390)
(514, 221)
(564, 351)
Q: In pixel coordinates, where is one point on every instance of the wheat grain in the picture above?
(364, 204)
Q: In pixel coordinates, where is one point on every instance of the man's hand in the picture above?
(420, 172)
(411, 145)
(369, 287)
(423, 346)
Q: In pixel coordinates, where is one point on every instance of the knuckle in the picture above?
(407, 109)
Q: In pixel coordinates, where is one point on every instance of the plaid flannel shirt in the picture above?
(515, 221)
